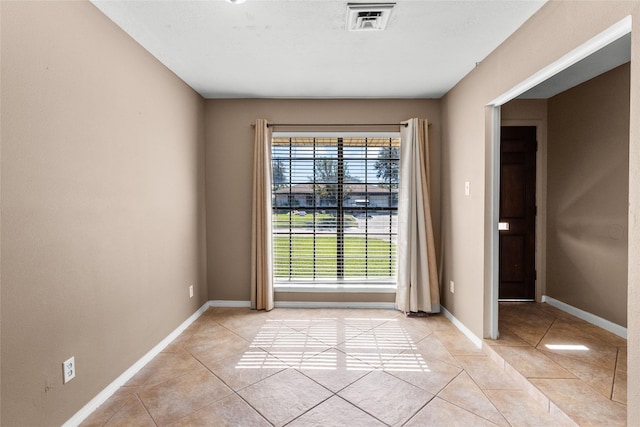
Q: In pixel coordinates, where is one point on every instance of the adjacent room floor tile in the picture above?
(598, 377)
(581, 347)
(507, 337)
(596, 357)
(531, 362)
(620, 387)
(582, 404)
(621, 360)
(526, 321)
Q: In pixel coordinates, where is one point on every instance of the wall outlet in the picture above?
(191, 291)
(452, 286)
(68, 370)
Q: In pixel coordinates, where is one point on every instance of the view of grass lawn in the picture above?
(363, 257)
(306, 221)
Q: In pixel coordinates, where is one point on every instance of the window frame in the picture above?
(331, 285)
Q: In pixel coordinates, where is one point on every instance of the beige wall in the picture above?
(555, 30)
(102, 206)
(102, 184)
(588, 193)
(558, 28)
(584, 260)
(229, 155)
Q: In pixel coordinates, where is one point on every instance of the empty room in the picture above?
(269, 212)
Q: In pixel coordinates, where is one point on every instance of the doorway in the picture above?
(558, 75)
(517, 216)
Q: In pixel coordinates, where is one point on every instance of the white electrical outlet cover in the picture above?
(68, 370)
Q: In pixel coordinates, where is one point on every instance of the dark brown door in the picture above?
(517, 213)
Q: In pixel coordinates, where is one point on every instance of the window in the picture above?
(335, 201)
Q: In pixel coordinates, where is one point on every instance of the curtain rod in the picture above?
(270, 125)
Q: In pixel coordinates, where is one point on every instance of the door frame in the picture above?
(492, 168)
(541, 199)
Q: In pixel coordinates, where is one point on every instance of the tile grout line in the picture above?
(373, 368)
(225, 383)
(134, 395)
(310, 335)
(482, 390)
(575, 322)
(289, 366)
(615, 374)
(436, 395)
(146, 409)
(356, 406)
(251, 406)
(555, 319)
(235, 392)
(528, 390)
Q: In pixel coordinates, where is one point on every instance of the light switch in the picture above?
(467, 188)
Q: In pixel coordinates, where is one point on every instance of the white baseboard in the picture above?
(605, 324)
(229, 303)
(458, 324)
(108, 391)
(325, 304)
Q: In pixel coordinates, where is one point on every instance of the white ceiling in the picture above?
(300, 48)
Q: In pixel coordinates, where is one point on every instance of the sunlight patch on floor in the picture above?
(367, 344)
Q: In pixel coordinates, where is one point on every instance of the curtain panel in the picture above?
(418, 289)
(261, 235)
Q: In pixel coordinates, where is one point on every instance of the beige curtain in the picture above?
(418, 288)
(261, 237)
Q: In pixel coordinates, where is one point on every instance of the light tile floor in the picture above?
(323, 367)
(570, 365)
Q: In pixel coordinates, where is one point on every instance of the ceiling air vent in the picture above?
(368, 17)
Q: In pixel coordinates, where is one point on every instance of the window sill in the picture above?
(374, 288)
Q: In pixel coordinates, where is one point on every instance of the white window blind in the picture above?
(335, 205)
